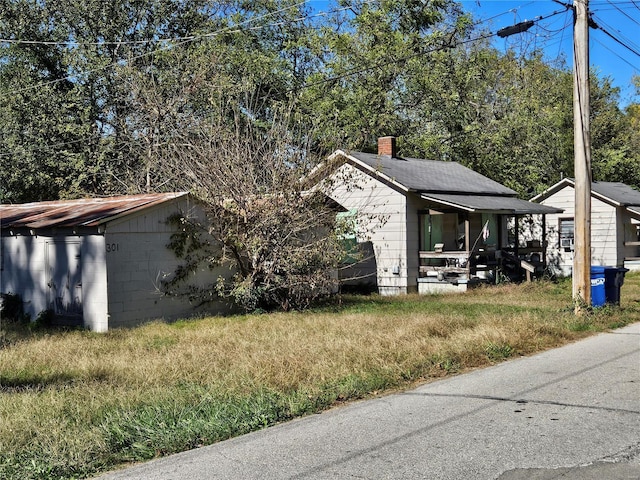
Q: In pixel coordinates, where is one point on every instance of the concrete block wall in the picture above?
(94, 283)
(138, 260)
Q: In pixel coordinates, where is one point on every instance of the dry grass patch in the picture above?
(76, 403)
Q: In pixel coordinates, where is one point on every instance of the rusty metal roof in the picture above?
(84, 212)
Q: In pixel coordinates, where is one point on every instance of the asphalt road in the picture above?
(569, 413)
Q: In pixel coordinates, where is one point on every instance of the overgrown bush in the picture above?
(12, 309)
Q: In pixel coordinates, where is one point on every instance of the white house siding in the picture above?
(383, 211)
(630, 253)
(604, 232)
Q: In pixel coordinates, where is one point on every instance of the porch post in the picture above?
(544, 241)
(517, 235)
(467, 234)
(467, 243)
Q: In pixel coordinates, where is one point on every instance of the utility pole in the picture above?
(582, 157)
(581, 146)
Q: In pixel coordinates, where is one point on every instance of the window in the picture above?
(565, 228)
(440, 231)
(632, 232)
(346, 223)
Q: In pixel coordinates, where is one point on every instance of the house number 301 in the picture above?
(113, 247)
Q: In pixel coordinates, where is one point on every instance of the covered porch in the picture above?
(465, 240)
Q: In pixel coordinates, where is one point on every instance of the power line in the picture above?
(153, 52)
(409, 57)
(616, 39)
(226, 30)
(624, 13)
(192, 38)
(617, 55)
(392, 61)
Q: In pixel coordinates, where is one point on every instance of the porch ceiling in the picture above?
(489, 204)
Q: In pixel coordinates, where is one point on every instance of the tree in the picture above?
(369, 53)
(279, 239)
(68, 125)
(616, 146)
(42, 114)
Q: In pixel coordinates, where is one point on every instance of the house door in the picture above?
(64, 282)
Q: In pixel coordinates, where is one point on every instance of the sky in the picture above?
(554, 35)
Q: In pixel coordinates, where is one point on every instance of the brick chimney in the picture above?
(387, 146)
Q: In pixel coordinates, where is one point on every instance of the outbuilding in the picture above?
(98, 263)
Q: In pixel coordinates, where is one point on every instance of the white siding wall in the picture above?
(604, 232)
(384, 213)
(630, 252)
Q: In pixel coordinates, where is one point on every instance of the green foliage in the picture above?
(498, 351)
(98, 115)
(12, 309)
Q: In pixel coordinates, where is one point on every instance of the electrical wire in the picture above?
(617, 55)
(382, 63)
(625, 43)
(153, 52)
(623, 12)
(226, 30)
(223, 31)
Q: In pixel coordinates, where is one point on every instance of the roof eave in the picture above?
(137, 208)
(372, 171)
(499, 211)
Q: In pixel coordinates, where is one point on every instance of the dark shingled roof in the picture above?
(615, 192)
(618, 192)
(432, 175)
(85, 212)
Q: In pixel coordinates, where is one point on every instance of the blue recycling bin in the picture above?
(613, 280)
(598, 296)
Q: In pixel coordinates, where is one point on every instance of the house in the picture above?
(98, 262)
(615, 225)
(430, 226)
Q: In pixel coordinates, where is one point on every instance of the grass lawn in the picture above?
(74, 404)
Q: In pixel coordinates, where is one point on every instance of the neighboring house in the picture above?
(615, 225)
(96, 262)
(427, 225)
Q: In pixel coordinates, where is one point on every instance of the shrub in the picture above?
(12, 308)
